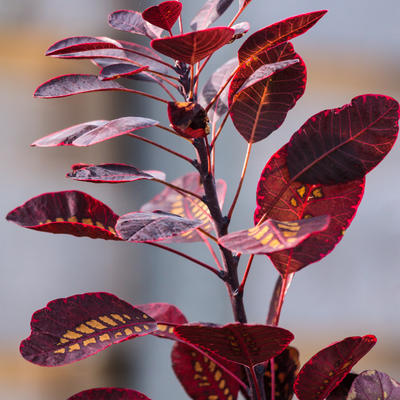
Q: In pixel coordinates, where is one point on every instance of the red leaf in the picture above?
(194, 46)
(326, 369)
(142, 227)
(244, 344)
(71, 212)
(202, 378)
(76, 327)
(344, 143)
(209, 13)
(111, 173)
(171, 201)
(163, 15)
(273, 235)
(94, 132)
(278, 196)
(132, 21)
(340, 392)
(109, 394)
(116, 71)
(277, 33)
(261, 108)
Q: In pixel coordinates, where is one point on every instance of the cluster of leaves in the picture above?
(307, 196)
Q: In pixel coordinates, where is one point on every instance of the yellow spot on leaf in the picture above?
(201, 384)
(275, 243)
(145, 316)
(146, 327)
(84, 329)
(127, 316)
(95, 324)
(211, 366)
(222, 384)
(178, 211)
(226, 391)
(198, 367)
(301, 191)
(293, 202)
(72, 335)
(289, 226)
(230, 397)
(252, 230)
(118, 318)
(89, 341)
(48, 221)
(343, 231)
(108, 320)
(62, 340)
(267, 239)
(72, 219)
(59, 219)
(111, 229)
(74, 347)
(317, 193)
(262, 232)
(117, 334)
(59, 351)
(87, 221)
(138, 329)
(171, 329)
(281, 377)
(162, 327)
(289, 234)
(217, 375)
(99, 224)
(128, 331)
(212, 397)
(104, 337)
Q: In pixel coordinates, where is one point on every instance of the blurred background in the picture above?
(353, 50)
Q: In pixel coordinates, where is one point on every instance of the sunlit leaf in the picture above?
(202, 378)
(192, 47)
(340, 392)
(111, 173)
(94, 132)
(326, 369)
(371, 385)
(240, 29)
(277, 33)
(209, 13)
(150, 227)
(116, 71)
(163, 15)
(109, 394)
(279, 197)
(132, 21)
(212, 87)
(261, 108)
(241, 343)
(273, 235)
(70, 212)
(191, 208)
(344, 143)
(76, 327)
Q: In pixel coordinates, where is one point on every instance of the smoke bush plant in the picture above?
(307, 196)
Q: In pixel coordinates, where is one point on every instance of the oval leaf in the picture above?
(261, 108)
(111, 173)
(209, 13)
(277, 33)
(70, 212)
(116, 71)
(326, 369)
(163, 15)
(374, 385)
(193, 46)
(76, 327)
(109, 394)
(344, 143)
(171, 201)
(244, 344)
(151, 227)
(202, 378)
(273, 235)
(279, 197)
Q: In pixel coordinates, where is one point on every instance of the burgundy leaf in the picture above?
(68, 85)
(71, 212)
(163, 15)
(344, 143)
(280, 197)
(109, 394)
(188, 119)
(132, 21)
(166, 316)
(212, 87)
(340, 392)
(209, 13)
(194, 46)
(273, 235)
(244, 344)
(116, 71)
(76, 327)
(94, 132)
(111, 173)
(261, 108)
(277, 33)
(171, 201)
(326, 369)
(151, 227)
(373, 384)
(202, 378)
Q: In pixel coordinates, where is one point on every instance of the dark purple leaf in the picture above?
(116, 71)
(273, 235)
(340, 392)
(163, 15)
(111, 173)
(132, 21)
(76, 327)
(244, 344)
(343, 144)
(209, 13)
(192, 47)
(109, 394)
(71, 212)
(326, 369)
(94, 132)
(151, 227)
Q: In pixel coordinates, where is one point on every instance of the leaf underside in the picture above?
(109, 394)
(209, 13)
